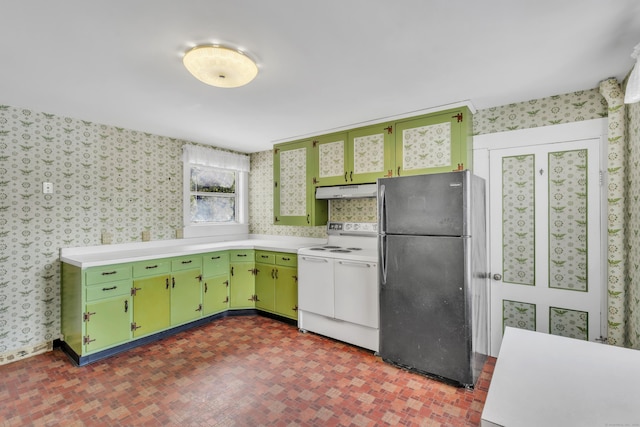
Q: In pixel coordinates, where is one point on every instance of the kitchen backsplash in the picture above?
(124, 182)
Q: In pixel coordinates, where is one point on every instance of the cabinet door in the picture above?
(108, 324)
(242, 285)
(286, 290)
(186, 302)
(294, 193)
(433, 144)
(331, 156)
(371, 153)
(151, 305)
(265, 287)
(215, 294)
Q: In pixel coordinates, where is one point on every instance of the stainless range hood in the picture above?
(347, 192)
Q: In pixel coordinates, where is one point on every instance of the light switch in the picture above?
(47, 187)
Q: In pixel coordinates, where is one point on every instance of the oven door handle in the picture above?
(355, 263)
(314, 259)
(382, 240)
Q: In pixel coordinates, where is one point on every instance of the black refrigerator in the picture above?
(433, 275)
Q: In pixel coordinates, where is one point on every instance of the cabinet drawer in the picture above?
(151, 267)
(215, 263)
(109, 273)
(242, 255)
(290, 260)
(111, 289)
(185, 263)
(265, 257)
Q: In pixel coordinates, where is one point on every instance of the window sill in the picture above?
(207, 230)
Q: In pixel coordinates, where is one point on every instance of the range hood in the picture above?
(347, 192)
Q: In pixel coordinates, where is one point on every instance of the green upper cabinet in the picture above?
(370, 153)
(434, 143)
(359, 156)
(331, 155)
(294, 193)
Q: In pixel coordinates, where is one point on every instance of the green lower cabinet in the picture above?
(215, 294)
(286, 292)
(151, 305)
(108, 323)
(186, 296)
(242, 285)
(265, 287)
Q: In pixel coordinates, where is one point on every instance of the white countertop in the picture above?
(93, 256)
(547, 380)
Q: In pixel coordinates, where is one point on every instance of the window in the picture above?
(212, 195)
(215, 192)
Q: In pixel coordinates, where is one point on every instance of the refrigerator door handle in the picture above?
(382, 229)
(383, 259)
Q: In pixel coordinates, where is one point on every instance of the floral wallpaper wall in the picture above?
(105, 180)
(633, 257)
(553, 110)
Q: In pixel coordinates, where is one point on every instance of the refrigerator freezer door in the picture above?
(424, 204)
(423, 307)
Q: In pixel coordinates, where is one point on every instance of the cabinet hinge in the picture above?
(135, 326)
(389, 130)
(275, 150)
(458, 116)
(87, 340)
(87, 316)
(314, 144)
(315, 181)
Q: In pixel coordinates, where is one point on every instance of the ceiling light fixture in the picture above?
(220, 66)
(632, 93)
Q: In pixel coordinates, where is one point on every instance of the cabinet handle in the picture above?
(398, 170)
(273, 274)
(206, 288)
(286, 258)
(149, 267)
(308, 222)
(110, 289)
(232, 270)
(241, 255)
(108, 273)
(351, 176)
(314, 259)
(264, 256)
(173, 282)
(345, 176)
(187, 262)
(355, 263)
(167, 282)
(215, 257)
(276, 273)
(126, 306)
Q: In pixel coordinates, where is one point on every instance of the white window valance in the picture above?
(215, 158)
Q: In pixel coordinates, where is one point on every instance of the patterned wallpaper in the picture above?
(124, 182)
(633, 256)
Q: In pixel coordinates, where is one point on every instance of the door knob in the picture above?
(497, 276)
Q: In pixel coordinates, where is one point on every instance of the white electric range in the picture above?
(338, 285)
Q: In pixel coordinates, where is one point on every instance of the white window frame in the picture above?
(208, 157)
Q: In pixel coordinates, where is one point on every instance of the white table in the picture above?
(547, 380)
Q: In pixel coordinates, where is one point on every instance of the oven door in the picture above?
(315, 285)
(356, 292)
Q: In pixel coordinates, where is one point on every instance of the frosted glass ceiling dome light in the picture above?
(220, 66)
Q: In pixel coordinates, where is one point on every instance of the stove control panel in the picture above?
(352, 227)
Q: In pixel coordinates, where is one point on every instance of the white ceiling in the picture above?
(323, 64)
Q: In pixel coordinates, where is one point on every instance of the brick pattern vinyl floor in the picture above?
(236, 371)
